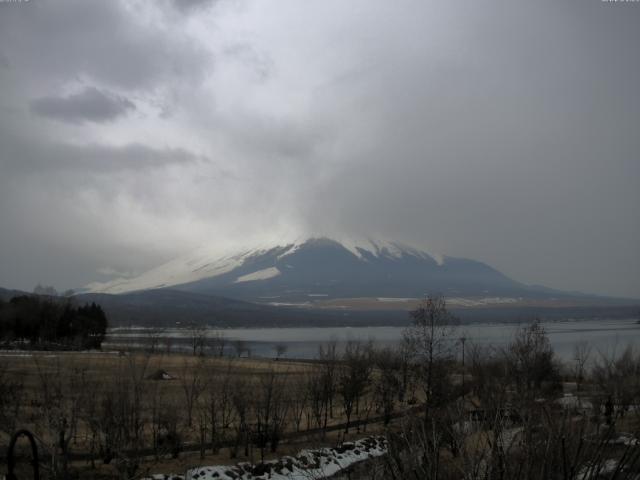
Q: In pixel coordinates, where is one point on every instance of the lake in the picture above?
(604, 336)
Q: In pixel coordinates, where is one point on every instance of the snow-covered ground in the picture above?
(308, 464)
(599, 468)
(571, 402)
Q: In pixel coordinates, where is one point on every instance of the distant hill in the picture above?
(323, 268)
(175, 308)
(6, 294)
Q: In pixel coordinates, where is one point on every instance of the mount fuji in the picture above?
(319, 269)
(321, 281)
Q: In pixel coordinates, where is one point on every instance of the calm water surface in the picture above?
(606, 336)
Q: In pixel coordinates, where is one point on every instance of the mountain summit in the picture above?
(317, 268)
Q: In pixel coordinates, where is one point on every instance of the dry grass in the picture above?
(84, 377)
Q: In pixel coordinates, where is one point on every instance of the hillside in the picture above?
(323, 268)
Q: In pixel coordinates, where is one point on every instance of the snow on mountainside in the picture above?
(202, 263)
(307, 269)
(259, 275)
(207, 262)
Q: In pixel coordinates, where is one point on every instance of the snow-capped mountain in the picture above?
(321, 268)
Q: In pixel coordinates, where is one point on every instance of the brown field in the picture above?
(73, 387)
(470, 303)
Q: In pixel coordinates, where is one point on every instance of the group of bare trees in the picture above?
(200, 341)
(128, 410)
(507, 419)
(619, 377)
(67, 408)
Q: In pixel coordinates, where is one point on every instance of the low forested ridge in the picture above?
(48, 322)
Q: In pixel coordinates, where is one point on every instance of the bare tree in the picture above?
(407, 388)
(240, 346)
(280, 350)
(192, 382)
(218, 343)
(581, 354)
(388, 381)
(619, 377)
(530, 361)
(217, 408)
(414, 450)
(270, 411)
(157, 407)
(11, 399)
(318, 403)
(354, 373)
(555, 448)
(154, 336)
(170, 436)
(58, 399)
(197, 335)
(298, 400)
(89, 414)
(120, 416)
(328, 358)
(431, 340)
(240, 400)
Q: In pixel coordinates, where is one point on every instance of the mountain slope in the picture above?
(322, 268)
(7, 294)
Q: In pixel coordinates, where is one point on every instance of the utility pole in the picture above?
(462, 341)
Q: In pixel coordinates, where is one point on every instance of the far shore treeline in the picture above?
(48, 322)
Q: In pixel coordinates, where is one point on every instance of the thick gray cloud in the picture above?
(191, 5)
(501, 131)
(123, 44)
(62, 158)
(89, 105)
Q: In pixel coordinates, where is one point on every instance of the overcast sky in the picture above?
(504, 131)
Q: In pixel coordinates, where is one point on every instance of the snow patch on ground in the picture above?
(624, 439)
(308, 464)
(594, 471)
(571, 402)
(259, 275)
(290, 304)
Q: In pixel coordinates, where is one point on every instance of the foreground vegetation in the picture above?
(449, 409)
